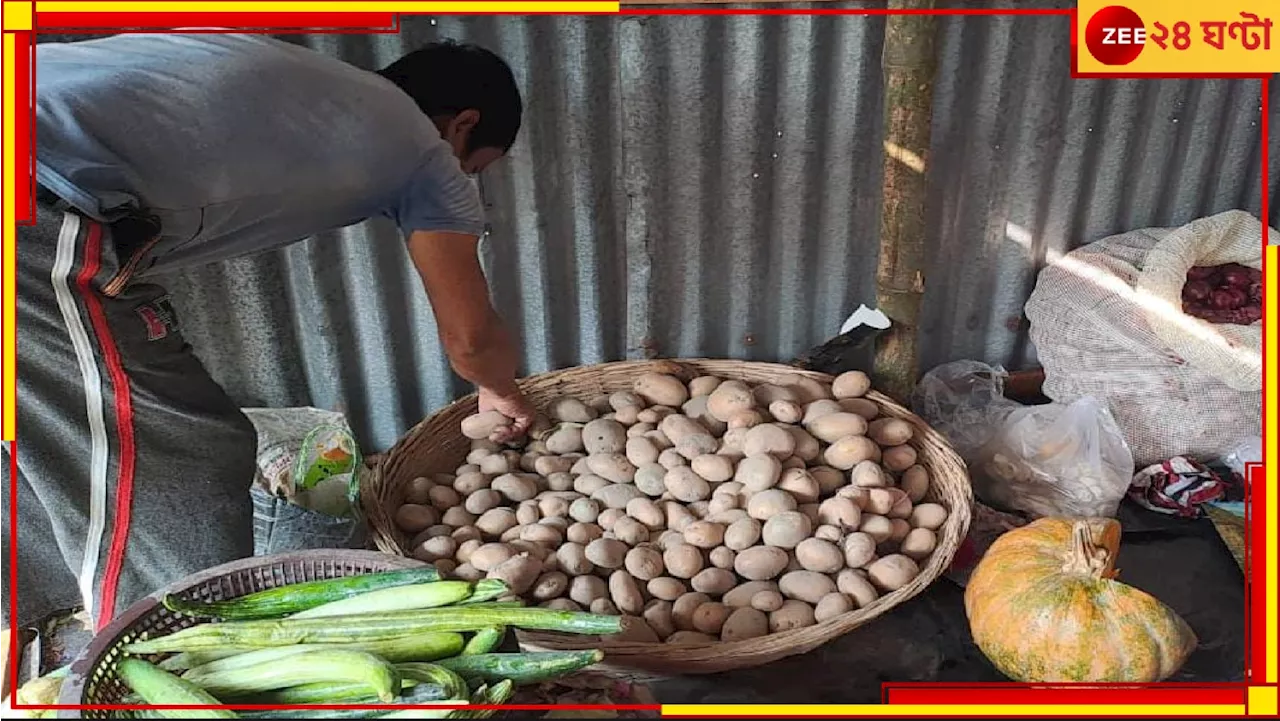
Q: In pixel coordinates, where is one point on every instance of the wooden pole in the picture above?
(908, 63)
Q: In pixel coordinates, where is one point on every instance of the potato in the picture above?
(728, 517)
(671, 458)
(419, 491)
(469, 483)
(565, 439)
(689, 638)
(625, 399)
(606, 552)
(928, 515)
(766, 394)
(840, 512)
(467, 572)
(749, 418)
(443, 497)
(550, 585)
(832, 605)
(682, 560)
(468, 468)
(869, 474)
(890, 431)
(571, 410)
(641, 451)
(864, 407)
(769, 438)
(834, 426)
(722, 502)
(876, 526)
(792, 615)
(541, 533)
(584, 510)
(496, 465)
(650, 479)
(558, 522)
(760, 563)
(807, 448)
(742, 534)
(741, 594)
(482, 425)
(625, 593)
(899, 458)
(586, 589)
(659, 389)
(446, 566)
(793, 462)
(414, 518)
(786, 529)
(462, 534)
(604, 606)
(560, 482)
(901, 505)
(561, 604)
(829, 479)
(713, 581)
(603, 437)
(712, 467)
(816, 409)
(678, 517)
(573, 559)
(583, 533)
(435, 549)
(477, 454)
(616, 496)
(703, 385)
(466, 548)
(710, 617)
(685, 485)
(767, 600)
(892, 572)
(647, 513)
(630, 531)
(805, 586)
(613, 467)
(786, 411)
(915, 482)
(490, 556)
(482, 500)
(918, 543)
(854, 584)
(722, 557)
(703, 534)
(657, 616)
(629, 417)
(800, 484)
(744, 623)
(849, 451)
(518, 572)
(666, 588)
(682, 609)
(515, 488)
(766, 504)
(820, 556)
(758, 473)
(859, 549)
(851, 384)
(696, 408)
(644, 563)
(879, 501)
(528, 512)
(728, 399)
(511, 534)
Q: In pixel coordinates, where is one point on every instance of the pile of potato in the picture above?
(708, 509)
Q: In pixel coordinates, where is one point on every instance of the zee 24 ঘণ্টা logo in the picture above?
(1116, 35)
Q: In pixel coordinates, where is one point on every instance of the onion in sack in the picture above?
(1044, 607)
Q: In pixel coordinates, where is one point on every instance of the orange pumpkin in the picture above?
(1044, 606)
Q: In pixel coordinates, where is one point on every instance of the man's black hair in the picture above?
(445, 78)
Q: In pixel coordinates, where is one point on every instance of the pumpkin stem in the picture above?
(1084, 556)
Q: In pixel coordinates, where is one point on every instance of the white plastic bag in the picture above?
(1047, 460)
(1090, 319)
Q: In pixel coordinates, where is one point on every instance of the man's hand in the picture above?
(513, 405)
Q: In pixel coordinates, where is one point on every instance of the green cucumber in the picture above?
(485, 640)
(310, 666)
(418, 647)
(158, 687)
(455, 687)
(373, 627)
(422, 694)
(399, 598)
(521, 668)
(298, 597)
(335, 692)
(487, 590)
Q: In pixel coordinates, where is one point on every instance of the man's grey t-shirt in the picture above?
(238, 143)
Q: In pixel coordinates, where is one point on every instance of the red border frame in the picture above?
(370, 23)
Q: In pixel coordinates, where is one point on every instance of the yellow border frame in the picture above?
(1262, 700)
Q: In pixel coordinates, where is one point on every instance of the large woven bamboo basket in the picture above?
(436, 445)
(93, 681)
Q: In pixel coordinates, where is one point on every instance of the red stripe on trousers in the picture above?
(124, 423)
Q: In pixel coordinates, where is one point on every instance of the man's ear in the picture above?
(457, 131)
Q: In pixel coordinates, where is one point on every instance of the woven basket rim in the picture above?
(82, 668)
(627, 657)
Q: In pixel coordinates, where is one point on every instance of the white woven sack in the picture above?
(1090, 326)
(1232, 353)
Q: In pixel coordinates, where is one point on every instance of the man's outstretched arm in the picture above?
(478, 345)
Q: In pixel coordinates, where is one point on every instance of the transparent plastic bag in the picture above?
(1247, 452)
(1046, 460)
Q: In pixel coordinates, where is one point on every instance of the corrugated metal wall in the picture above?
(709, 186)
